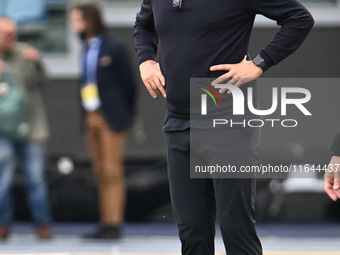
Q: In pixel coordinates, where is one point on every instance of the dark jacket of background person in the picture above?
(32, 77)
(116, 85)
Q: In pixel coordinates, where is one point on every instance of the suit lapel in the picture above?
(101, 53)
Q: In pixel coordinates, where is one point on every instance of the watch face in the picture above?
(258, 60)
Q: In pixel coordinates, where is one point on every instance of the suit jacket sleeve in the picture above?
(126, 77)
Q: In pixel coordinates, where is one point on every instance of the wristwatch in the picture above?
(259, 61)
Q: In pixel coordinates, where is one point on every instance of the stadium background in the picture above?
(44, 24)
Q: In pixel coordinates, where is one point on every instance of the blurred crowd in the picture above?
(107, 104)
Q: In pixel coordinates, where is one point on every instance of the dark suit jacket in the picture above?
(116, 85)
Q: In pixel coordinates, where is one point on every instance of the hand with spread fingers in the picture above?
(238, 74)
(332, 178)
(152, 78)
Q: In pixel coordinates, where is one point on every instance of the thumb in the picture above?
(336, 183)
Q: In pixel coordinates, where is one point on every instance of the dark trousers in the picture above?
(196, 202)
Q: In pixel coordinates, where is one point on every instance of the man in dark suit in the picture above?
(332, 176)
(107, 95)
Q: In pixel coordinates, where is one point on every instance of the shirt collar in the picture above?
(94, 41)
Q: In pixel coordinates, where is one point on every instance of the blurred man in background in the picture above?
(107, 93)
(23, 62)
(332, 176)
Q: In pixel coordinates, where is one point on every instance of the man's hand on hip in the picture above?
(332, 178)
(241, 73)
(152, 78)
